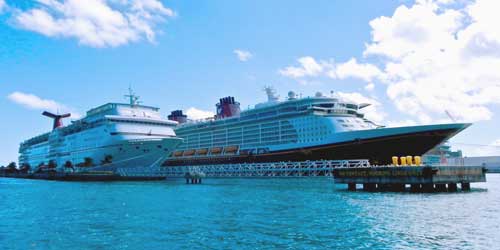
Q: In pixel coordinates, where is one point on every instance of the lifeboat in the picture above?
(231, 149)
(216, 150)
(178, 153)
(189, 152)
(202, 151)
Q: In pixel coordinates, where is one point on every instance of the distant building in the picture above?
(490, 162)
(441, 155)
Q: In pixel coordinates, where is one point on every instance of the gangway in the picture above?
(243, 170)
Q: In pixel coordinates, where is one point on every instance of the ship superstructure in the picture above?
(298, 129)
(109, 137)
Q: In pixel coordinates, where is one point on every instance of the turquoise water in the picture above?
(309, 213)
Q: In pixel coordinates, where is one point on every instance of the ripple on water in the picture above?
(242, 214)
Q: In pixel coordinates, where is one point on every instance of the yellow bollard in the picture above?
(409, 160)
(395, 160)
(418, 160)
(403, 161)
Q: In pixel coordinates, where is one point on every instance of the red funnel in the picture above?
(57, 118)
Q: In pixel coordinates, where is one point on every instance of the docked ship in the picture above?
(109, 137)
(298, 129)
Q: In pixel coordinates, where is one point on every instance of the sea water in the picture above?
(295, 213)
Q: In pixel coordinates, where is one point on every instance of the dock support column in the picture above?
(441, 187)
(428, 188)
(415, 188)
(452, 187)
(398, 187)
(465, 186)
(351, 186)
(369, 187)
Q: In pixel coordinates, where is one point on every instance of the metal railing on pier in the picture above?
(268, 169)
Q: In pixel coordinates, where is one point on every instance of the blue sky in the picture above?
(181, 54)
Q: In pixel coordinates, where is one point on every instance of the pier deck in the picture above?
(420, 179)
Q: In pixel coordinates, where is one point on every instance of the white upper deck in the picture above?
(318, 105)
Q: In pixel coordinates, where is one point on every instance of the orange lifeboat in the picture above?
(202, 151)
(189, 152)
(216, 150)
(231, 149)
(178, 153)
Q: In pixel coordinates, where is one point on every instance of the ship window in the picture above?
(340, 120)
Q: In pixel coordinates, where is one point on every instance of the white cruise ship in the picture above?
(298, 129)
(109, 137)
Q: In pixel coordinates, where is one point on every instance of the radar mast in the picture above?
(133, 99)
(271, 94)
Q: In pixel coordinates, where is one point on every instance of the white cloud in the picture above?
(370, 86)
(470, 150)
(352, 68)
(3, 5)
(34, 102)
(196, 114)
(434, 56)
(243, 55)
(95, 23)
(308, 67)
(371, 112)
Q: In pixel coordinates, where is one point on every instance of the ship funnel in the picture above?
(227, 107)
(177, 116)
(57, 119)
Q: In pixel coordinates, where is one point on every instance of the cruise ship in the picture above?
(109, 137)
(298, 129)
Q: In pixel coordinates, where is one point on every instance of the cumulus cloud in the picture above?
(372, 112)
(34, 102)
(243, 55)
(434, 56)
(95, 23)
(197, 114)
(309, 67)
(3, 5)
(370, 86)
(492, 149)
(354, 69)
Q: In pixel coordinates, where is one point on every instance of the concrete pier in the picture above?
(420, 179)
(82, 176)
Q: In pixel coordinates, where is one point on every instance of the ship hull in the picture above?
(377, 149)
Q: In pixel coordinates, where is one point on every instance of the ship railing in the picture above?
(270, 169)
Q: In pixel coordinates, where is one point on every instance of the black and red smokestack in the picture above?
(178, 116)
(57, 119)
(227, 107)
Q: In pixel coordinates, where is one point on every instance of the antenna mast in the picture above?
(450, 116)
(133, 99)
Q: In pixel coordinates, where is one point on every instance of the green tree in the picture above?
(11, 168)
(25, 168)
(88, 162)
(68, 164)
(52, 164)
(107, 159)
(40, 167)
